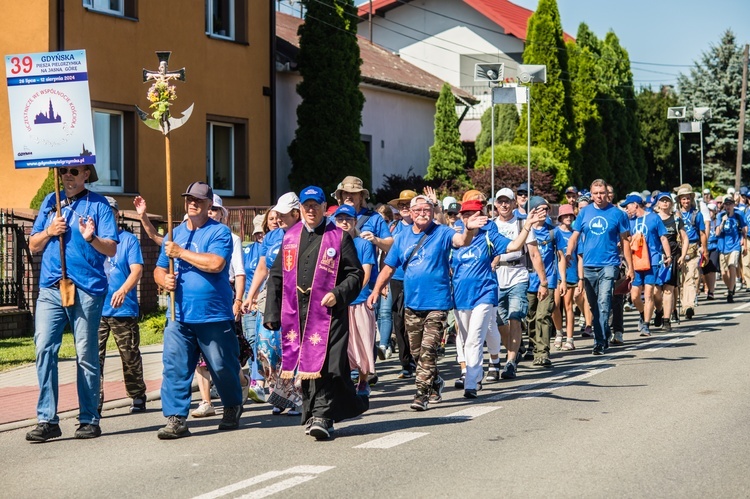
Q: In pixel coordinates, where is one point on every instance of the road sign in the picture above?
(50, 109)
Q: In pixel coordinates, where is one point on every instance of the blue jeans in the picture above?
(51, 318)
(512, 303)
(249, 330)
(599, 283)
(182, 344)
(384, 316)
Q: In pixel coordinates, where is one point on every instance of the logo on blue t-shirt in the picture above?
(182, 265)
(418, 256)
(598, 225)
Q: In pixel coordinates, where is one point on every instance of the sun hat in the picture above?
(403, 197)
(565, 209)
(351, 184)
(218, 202)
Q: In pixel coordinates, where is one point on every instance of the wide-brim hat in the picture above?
(258, 224)
(351, 184)
(403, 197)
(684, 191)
(93, 177)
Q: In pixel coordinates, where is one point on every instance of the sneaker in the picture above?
(293, 412)
(542, 362)
(204, 409)
(388, 352)
(569, 345)
(641, 324)
(730, 297)
(176, 428)
(86, 431)
(405, 373)
(598, 350)
(309, 422)
(628, 307)
(470, 393)
(710, 296)
(689, 313)
(588, 332)
(437, 391)
(617, 338)
(245, 389)
(381, 352)
(363, 389)
(257, 394)
(372, 379)
(509, 371)
(44, 432)
(320, 428)
(420, 403)
(658, 318)
(529, 354)
(138, 405)
(493, 373)
(214, 392)
(231, 418)
(277, 411)
(646, 332)
(668, 326)
(459, 384)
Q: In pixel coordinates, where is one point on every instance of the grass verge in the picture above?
(16, 352)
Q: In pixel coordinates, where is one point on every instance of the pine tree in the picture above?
(658, 137)
(327, 144)
(47, 186)
(551, 103)
(506, 123)
(447, 157)
(716, 82)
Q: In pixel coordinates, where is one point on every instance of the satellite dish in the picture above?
(676, 113)
(532, 73)
(492, 72)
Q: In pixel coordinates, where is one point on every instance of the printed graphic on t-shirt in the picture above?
(598, 225)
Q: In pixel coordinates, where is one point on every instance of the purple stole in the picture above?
(305, 351)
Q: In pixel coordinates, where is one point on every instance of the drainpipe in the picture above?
(272, 97)
(60, 25)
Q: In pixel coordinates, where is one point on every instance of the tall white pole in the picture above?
(703, 186)
(492, 145)
(528, 140)
(679, 147)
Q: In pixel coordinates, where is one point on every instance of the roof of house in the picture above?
(380, 67)
(509, 16)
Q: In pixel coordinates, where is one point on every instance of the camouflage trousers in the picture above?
(425, 330)
(128, 338)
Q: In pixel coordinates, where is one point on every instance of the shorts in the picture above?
(712, 265)
(729, 259)
(513, 304)
(642, 277)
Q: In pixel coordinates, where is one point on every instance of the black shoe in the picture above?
(493, 373)
(710, 296)
(470, 393)
(405, 373)
(231, 418)
(730, 297)
(529, 355)
(372, 379)
(598, 350)
(138, 405)
(509, 371)
(88, 431)
(459, 384)
(437, 390)
(320, 428)
(659, 318)
(689, 313)
(176, 428)
(44, 432)
(420, 403)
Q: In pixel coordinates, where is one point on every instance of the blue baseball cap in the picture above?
(313, 193)
(662, 195)
(345, 209)
(632, 198)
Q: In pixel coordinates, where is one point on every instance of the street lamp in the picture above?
(530, 73)
(677, 113)
(491, 73)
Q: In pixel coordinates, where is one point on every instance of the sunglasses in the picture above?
(214, 208)
(72, 171)
(522, 193)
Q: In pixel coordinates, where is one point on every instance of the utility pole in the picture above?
(741, 135)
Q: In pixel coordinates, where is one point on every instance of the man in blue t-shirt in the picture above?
(603, 227)
(695, 227)
(731, 231)
(423, 252)
(204, 320)
(89, 235)
(120, 315)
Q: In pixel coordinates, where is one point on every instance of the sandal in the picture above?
(558, 341)
(569, 345)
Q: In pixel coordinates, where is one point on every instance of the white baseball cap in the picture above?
(286, 203)
(447, 201)
(218, 202)
(505, 193)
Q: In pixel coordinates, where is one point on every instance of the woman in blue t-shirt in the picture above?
(571, 276)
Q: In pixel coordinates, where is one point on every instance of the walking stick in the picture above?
(160, 95)
(67, 288)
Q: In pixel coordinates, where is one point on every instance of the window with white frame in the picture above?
(220, 18)
(220, 157)
(107, 6)
(108, 142)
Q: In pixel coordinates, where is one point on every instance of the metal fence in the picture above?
(14, 254)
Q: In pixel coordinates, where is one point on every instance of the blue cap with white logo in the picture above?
(312, 193)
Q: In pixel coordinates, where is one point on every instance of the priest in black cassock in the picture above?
(310, 286)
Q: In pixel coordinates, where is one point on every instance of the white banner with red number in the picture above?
(50, 109)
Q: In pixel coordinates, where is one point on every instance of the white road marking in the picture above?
(537, 389)
(391, 440)
(308, 473)
(278, 487)
(471, 412)
(742, 307)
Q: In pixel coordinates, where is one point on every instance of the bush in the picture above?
(47, 186)
(396, 183)
(541, 161)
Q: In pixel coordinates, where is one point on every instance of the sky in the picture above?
(662, 37)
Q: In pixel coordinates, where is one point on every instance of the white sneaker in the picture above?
(388, 352)
(204, 409)
(257, 394)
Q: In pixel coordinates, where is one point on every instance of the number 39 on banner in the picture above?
(21, 65)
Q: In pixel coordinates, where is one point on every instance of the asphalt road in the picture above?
(667, 416)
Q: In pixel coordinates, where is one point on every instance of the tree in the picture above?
(658, 136)
(506, 123)
(552, 107)
(716, 82)
(327, 144)
(447, 156)
(47, 186)
(542, 160)
(590, 143)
